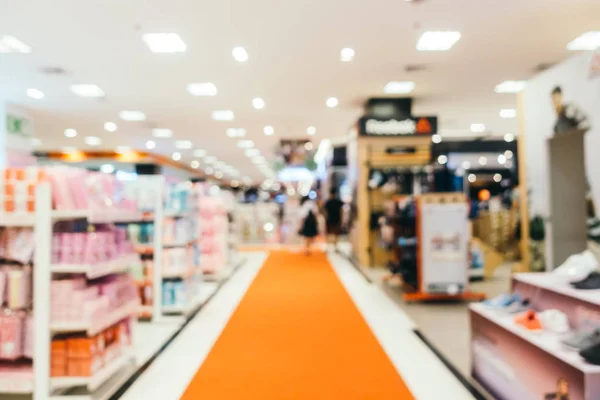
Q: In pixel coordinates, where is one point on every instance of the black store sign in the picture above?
(408, 126)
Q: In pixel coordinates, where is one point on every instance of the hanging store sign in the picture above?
(408, 126)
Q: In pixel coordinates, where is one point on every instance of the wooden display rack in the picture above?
(421, 293)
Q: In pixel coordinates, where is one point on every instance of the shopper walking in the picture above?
(309, 227)
(333, 218)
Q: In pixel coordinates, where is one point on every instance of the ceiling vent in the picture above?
(52, 71)
(415, 67)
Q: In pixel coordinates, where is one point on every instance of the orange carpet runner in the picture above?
(297, 335)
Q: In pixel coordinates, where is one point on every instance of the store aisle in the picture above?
(298, 333)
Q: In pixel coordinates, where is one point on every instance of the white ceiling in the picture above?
(294, 64)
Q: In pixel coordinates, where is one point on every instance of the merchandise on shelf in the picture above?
(16, 335)
(214, 231)
(105, 243)
(83, 356)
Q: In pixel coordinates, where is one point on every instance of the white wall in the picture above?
(573, 76)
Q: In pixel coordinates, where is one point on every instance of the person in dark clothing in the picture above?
(568, 116)
(333, 217)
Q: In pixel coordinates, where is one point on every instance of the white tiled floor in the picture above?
(169, 375)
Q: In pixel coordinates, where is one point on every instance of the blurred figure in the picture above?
(309, 227)
(333, 218)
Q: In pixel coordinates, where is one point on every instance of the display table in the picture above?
(514, 363)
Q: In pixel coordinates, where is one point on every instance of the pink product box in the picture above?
(11, 336)
(28, 336)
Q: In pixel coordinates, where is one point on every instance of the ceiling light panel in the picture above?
(508, 113)
(210, 160)
(245, 144)
(110, 126)
(399, 87)
(223, 115)
(162, 133)
(510, 87)
(183, 144)
(587, 41)
(10, 44)
(269, 130)
(332, 102)
(477, 128)
(202, 89)
(132, 115)
(164, 42)
(236, 132)
(92, 141)
(123, 149)
(199, 153)
(252, 152)
(347, 54)
(87, 90)
(35, 94)
(437, 41)
(70, 133)
(311, 130)
(239, 54)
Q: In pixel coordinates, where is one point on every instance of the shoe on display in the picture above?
(577, 267)
(583, 339)
(591, 354)
(502, 300)
(530, 321)
(517, 307)
(554, 321)
(590, 283)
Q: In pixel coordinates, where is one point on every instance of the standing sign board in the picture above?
(444, 235)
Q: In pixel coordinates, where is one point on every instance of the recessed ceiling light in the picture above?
(218, 175)
(510, 87)
(123, 149)
(347, 54)
(162, 133)
(311, 130)
(332, 102)
(245, 144)
(497, 178)
(10, 44)
(210, 160)
(308, 146)
(183, 144)
(258, 103)
(35, 94)
(482, 160)
(87, 90)
(70, 132)
(437, 41)
(240, 54)
(436, 138)
(176, 156)
(509, 137)
(199, 153)
(501, 159)
(399, 87)
(587, 41)
(477, 128)
(209, 170)
(223, 115)
(164, 42)
(132, 115)
(202, 89)
(508, 113)
(92, 140)
(236, 132)
(107, 168)
(252, 152)
(508, 154)
(69, 149)
(466, 164)
(472, 178)
(269, 130)
(442, 159)
(110, 126)
(195, 164)
(150, 144)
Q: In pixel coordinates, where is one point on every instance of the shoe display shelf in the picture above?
(510, 361)
(34, 378)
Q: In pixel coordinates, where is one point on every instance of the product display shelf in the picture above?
(104, 392)
(21, 383)
(26, 219)
(548, 281)
(95, 327)
(99, 378)
(121, 264)
(546, 341)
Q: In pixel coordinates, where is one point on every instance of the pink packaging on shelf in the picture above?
(11, 332)
(28, 336)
